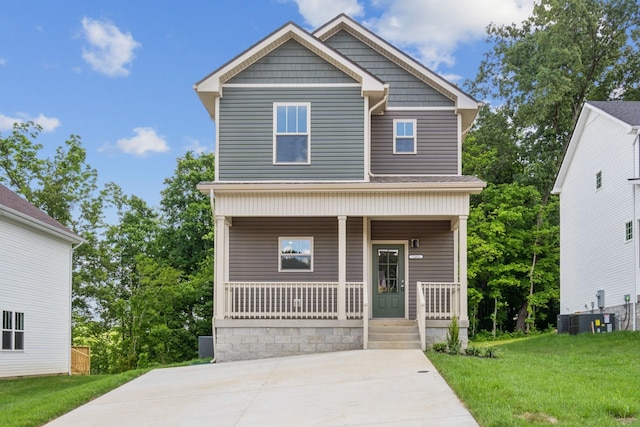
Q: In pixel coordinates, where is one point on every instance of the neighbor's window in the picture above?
(598, 180)
(291, 133)
(404, 136)
(12, 330)
(628, 231)
(296, 254)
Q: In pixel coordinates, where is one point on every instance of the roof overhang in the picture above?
(470, 187)
(210, 88)
(42, 226)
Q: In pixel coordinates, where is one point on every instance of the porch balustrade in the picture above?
(291, 300)
(442, 300)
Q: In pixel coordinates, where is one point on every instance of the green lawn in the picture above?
(35, 401)
(582, 380)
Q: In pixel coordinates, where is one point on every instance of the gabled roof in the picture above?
(462, 100)
(625, 113)
(210, 87)
(15, 206)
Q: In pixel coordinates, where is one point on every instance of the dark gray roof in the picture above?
(627, 111)
(13, 201)
(428, 179)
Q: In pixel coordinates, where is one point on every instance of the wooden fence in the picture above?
(80, 360)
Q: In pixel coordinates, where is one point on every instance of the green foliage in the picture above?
(440, 347)
(550, 376)
(454, 344)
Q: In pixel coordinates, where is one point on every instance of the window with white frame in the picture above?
(296, 254)
(12, 330)
(404, 136)
(291, 133)
(598, 180)
(628, 231)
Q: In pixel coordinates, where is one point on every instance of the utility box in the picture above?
(205, 347)
(563, 323)
(596, 323)
(600, 298)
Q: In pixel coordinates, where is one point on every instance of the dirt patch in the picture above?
(538, 418)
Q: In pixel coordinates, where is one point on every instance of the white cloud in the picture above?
(145, 141)
(318, 12)
(195, 146)
(110, 50)
(48, 124)
(434, 28)
(3, 62)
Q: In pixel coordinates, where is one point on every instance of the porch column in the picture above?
(342, 267)
(462, 248)
(220, 267)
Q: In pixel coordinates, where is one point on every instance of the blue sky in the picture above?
(120, 73)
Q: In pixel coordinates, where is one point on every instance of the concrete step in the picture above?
(394, 345)
(393, 334)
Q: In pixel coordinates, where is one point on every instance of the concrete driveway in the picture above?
(352, 388)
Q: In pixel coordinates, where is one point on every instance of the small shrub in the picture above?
(454, 344)
(474, 351)
(439, 347)
(491, 352)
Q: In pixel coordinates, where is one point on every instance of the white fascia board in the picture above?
(463, 101)
(571, 149)
(43, 226)
(212, 85)
(339, 187)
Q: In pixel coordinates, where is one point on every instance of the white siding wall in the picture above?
(594, 254)
(35, 279)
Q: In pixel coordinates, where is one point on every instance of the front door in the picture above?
(388, 281)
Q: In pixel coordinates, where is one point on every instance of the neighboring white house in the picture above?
(599, 212)
(35, 289)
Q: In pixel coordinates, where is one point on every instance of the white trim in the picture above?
(280, 254)
(405, 244)
(307, 105)
(289, 85)
(414, 122)
(443, 108)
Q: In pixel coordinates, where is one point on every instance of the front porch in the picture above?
(272, 319)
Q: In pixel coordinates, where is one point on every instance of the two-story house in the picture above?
(339, 204)
(35, 289)
(600, 212)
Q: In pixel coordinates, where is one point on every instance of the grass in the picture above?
(33, 401)
(551, 379)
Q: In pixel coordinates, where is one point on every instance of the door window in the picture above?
(387, 271)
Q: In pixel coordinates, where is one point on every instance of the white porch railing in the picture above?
(442, 300)
(422, 315)
(291, 300)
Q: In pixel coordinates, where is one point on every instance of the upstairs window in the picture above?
(296, 254)
(404, 136)
(291, 133)
(12, 330)
(628, 231)
(598, 180)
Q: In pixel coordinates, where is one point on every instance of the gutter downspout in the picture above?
(383, 101)
(634, 296)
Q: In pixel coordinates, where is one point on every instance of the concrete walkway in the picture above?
(352, 388)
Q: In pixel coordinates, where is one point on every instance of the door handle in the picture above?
(402, 285)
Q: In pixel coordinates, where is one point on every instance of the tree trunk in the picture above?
(495, 315)
(521, 323)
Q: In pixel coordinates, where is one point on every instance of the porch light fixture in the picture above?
(415, 243)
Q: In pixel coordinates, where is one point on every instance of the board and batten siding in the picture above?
(437, 144)
(246, 134)
(405, 89)
(291, 63)
(436, 247)
(593, 252)
(35, 280)
(254, 252)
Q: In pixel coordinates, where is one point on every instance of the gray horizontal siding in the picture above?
(253, 248)
(436, 246)
(246, 134)
(405, 89)
(291, 63)
(437, 150)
